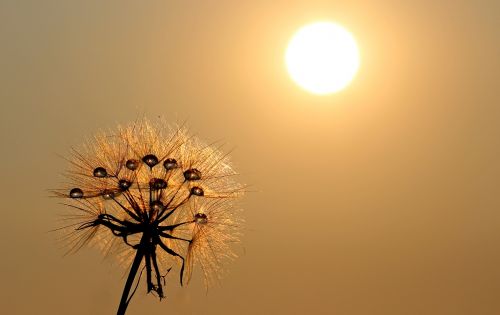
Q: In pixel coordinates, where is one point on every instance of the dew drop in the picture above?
(197, 191)
(192, 174)
(76, 193)
(150, 160)
(157, 183)
(170, 164)
(124, 184)
(156, 206)
(100, 172)
(200, 218)
(132, 164)
(108, 194)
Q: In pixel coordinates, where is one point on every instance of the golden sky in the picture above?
(381, 199)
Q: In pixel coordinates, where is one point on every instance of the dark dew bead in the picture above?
(157, 183)
(192, 174)
(197, 191)
(124, 184)
(100, 172)
(108, 194)
(132, 164)
(170, 164)
(200, 218)
(150, 160)
(76, 193)
(156, 205)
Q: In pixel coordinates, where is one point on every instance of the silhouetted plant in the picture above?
(156, 198)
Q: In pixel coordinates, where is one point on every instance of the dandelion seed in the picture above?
(152, 218)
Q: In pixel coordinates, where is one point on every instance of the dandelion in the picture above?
(156, 199)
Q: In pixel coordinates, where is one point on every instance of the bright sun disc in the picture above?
(322, 57)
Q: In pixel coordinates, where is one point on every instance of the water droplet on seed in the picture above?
(200, 218)
(192, 174)
(150, 160)
(76, 193)
(108, 194)
(157, 183)
(170, 164)
(124, 184)
(100, 172)
(132, 164)
(157, 205)
(197, 191)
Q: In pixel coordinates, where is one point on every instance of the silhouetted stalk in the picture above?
(122, 308)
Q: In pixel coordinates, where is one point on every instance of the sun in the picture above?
(322, 57)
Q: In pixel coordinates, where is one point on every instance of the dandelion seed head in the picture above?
(154, 188)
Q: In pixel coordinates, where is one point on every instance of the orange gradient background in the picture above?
(382, 199)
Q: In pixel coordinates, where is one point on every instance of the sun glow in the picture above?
(322, 57)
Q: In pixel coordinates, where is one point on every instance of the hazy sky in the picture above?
(382, 199)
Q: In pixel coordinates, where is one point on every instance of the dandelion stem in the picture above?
(131, 276)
